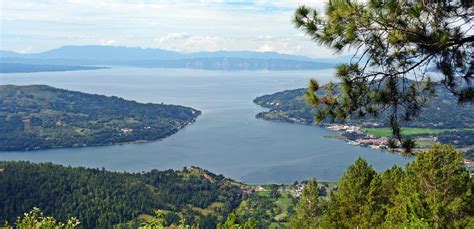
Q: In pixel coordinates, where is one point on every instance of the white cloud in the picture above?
(181, 25)
(108, 42)
(265, 48)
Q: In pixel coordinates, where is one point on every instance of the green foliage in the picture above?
(309, 207)
(434, 191)
(39, 117)
(36, 219)
(350, 205)
(438, 117)
(394, 41)
(274, 193)
(99, 198)
(232, 223)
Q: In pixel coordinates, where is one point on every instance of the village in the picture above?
(355, 136)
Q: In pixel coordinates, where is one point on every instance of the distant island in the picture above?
(26, 68)
(97, 55)
(42, 117)
(436, 122)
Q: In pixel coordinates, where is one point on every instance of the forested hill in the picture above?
(100, 199)
(40, 117)
(290, 106)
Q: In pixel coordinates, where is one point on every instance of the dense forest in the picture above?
(432, 191)
(100, 198)
(39, 117)
(290, 106)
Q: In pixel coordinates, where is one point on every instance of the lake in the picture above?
(226, 139)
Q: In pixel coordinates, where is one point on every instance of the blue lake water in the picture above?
(226, 139)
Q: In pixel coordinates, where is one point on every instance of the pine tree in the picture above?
(396, 43)
(250, 224)
(348, 206)
(308, 210)
(436, 190)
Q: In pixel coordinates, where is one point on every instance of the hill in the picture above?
(290, 106)
(193, 196)
(40, 117)
(18, 67)
(436, 121)
(100, 199)
(160, 58)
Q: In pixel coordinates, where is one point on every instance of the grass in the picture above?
(387, 132)
(283, 203)
(264, 194)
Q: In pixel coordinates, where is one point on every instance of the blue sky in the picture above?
(182, 25)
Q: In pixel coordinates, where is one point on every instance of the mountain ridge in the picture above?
(97, 55)
(64, 51)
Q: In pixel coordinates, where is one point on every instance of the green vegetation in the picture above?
(35, 219)
(308, 208)
(437, 119)
(99, 198)
(386, 132)
(394, 41)
(41, 117)
(434, 191)
(290, 106)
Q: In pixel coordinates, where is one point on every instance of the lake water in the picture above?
(226, 139)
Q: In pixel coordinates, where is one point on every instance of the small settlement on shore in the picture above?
(354, 135)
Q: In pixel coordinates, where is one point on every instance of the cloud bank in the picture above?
(181, 25)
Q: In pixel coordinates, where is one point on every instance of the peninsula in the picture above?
(42, 117)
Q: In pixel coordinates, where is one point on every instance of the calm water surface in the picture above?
(226, 139)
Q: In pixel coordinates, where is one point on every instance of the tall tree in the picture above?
(396, 43)
(347, 205)
(436, 190)
(308, 210)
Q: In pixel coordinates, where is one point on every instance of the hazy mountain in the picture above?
(248, 55)
(9, 54)
(127, 56)
(19, 67)
(98, 52)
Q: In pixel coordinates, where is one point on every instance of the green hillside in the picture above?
(40, 117)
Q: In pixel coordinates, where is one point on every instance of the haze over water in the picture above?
(226, 139)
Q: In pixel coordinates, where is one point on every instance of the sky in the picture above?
(30, 26)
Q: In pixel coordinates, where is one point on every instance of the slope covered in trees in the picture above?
(291, 106)
(40, 117)
(394, 41)
(433, 191)
(436, 120)
(100, 198)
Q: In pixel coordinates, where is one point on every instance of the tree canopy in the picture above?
(433, 191)
(308, 208)
(402, 50)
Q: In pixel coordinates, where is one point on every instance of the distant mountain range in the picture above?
(26, 68)
(94, 55)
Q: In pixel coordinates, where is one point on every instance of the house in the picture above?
(126, 130)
